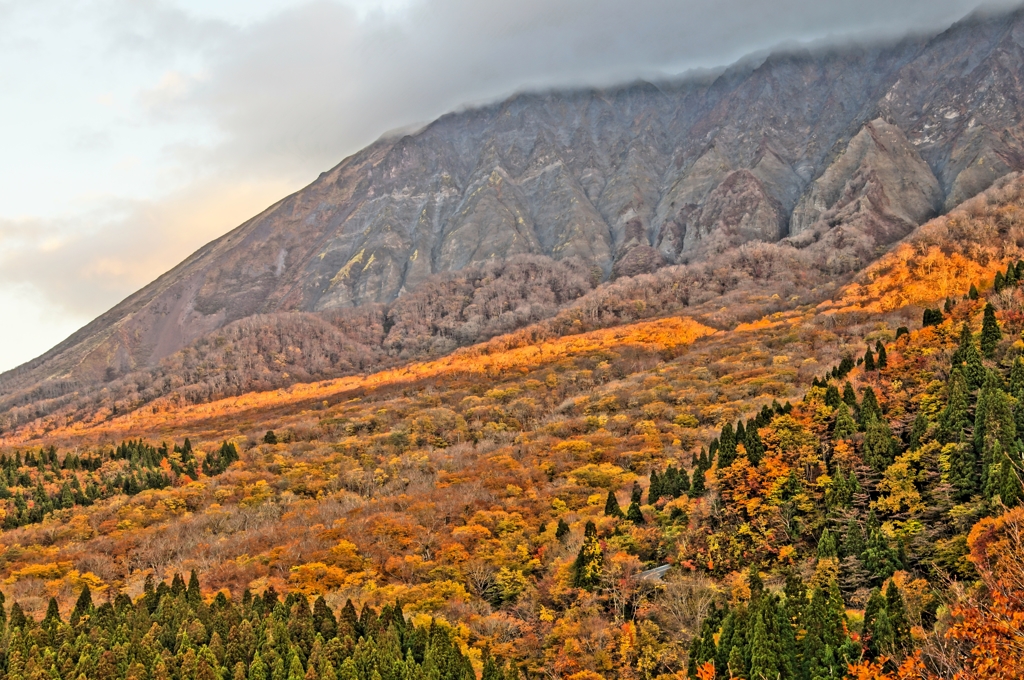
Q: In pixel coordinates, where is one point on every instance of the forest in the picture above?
(834, 486)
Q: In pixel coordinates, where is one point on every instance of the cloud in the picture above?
(314, 83)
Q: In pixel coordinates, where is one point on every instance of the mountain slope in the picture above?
(845, 150)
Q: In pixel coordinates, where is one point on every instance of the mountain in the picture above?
(831, 490)
(835, 153)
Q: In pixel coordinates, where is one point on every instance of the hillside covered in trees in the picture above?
(834, 486)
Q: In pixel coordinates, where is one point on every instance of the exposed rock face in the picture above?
(879, 184)
(844, 145)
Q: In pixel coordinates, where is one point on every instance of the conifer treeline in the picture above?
(171, 633)
(40, 482)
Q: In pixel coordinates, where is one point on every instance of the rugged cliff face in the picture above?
(843, 150)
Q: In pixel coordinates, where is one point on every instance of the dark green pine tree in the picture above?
(883, 358)
(827, 545)
(967, 354)
(963, 471)
(697, 487)
(655, 490)
(754, 446)
(879, 445)
(52, 617)
(1010, 488)
(990, 333)
(832, 396)
(589, 565)
(869, 360)
(850, 396)
(611, 506)
(994, 423)
(765, 648)
(972, 294)
(730, 644)
(824, 635)
(192, 592)
(682, 483)
(955, 417)
(845, 426)
(726, 446)
(83, 605)
(879, 558)
(634, 515)
(900, 626)
(869, 408)
(877, 633)
(1017, 379)
(837, 495)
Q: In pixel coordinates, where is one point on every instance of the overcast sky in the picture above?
(134, 131)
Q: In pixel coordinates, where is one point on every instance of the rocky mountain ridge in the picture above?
(840, 151)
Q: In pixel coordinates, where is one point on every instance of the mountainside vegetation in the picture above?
(834, 485)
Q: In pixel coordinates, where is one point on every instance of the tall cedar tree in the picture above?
(869, 360)
(967, 355)
(754, 446)
(611, 506)
(633, 513)
(954, 417)
(726, 446)
(990, 333)
(845, 426)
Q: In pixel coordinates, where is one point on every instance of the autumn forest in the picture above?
(827, 487)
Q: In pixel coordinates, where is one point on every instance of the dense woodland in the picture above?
(835, 487)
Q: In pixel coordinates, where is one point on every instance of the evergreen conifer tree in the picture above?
(898, 622)
(875, 638)
(954, 417)
(654, 490)
(827, 545)
(883, 358)
(697, 486)
(845, 426)
(963, 471)
(726, 446)
(850, 396)
(754, 446)
(974, 370)
(832, 396)
(682, 483)
(869, 360)
(611, 506)
(879, 445)
(869, 408)
(879, 558)
(990, 333)
(634, 515)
